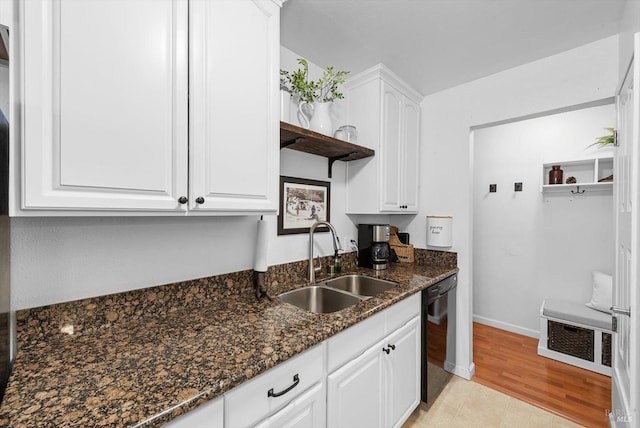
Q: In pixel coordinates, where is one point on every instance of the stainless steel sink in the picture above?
(319, 299)
(360, 285)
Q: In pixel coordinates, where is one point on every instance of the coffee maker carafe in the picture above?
(373, 246)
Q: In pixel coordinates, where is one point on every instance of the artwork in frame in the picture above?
(302, 203)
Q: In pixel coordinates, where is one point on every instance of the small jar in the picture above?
(555, 175)
(347, 133)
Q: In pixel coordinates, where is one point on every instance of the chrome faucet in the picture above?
(336, 246)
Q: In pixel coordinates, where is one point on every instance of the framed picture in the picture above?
(302, 203)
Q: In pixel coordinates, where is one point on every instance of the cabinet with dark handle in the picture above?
(296, 381)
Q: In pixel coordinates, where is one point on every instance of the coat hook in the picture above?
(578, 192)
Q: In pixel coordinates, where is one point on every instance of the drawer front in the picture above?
(353, 341)
(272, 390)
(402, 312)
(306, 411)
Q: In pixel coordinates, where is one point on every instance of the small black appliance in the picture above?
(373, 246)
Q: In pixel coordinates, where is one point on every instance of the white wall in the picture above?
(527, 245)
(629, 25)
(61, 259)
(577, 76)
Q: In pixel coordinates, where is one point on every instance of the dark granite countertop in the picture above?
(150, 368)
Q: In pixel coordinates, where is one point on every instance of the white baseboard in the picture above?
(507, 326)
(464, 372)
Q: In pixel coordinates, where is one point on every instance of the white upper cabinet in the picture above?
(234, 105)
(386, 113)
(105, 104)
(135, 107)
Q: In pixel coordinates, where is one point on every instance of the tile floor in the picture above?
(467, 404)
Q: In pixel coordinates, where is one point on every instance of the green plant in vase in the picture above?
(318, 94)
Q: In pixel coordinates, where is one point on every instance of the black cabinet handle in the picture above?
(393, 347)
(386, 350)
(200, 200)
(296, 381)
(183, 200)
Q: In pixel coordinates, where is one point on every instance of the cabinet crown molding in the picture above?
(381, 71)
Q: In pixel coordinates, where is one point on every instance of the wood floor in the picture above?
(509, 363)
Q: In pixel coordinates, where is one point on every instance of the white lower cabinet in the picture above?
(381, 387)
(306, 411)
(402, 373)
(278, 390)
(208, 415)
(354, 392)
(366, 376)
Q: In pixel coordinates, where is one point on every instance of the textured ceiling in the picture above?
(437, 44)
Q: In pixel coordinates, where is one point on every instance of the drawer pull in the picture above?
(386, 350)
(296, 381)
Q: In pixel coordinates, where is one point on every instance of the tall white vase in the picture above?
(321, 120)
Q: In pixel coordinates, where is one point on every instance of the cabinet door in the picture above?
(390, 147)
(105, 105)
(402, 370)
(306, 411)
(410, 155)
(354, 393)
(234, 105)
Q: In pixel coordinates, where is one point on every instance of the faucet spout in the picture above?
(336, 245)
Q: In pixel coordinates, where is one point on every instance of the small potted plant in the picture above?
(317, 94)
(605, 140)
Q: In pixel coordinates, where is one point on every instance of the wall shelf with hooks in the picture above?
(588, 174)
(303, 140)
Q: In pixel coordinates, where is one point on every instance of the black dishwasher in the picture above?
(430, 295)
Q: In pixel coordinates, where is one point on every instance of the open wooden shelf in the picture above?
(303, 140)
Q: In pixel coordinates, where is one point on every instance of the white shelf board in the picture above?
(555, 188)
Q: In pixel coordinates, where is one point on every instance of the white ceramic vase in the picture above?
(320, 117)
(321, 120)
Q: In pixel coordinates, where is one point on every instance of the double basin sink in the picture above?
(336, 294)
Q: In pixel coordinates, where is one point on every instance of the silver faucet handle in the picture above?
(319, 267)
(339, 246)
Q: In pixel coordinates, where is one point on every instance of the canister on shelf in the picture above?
(555, 175)
(347, 133)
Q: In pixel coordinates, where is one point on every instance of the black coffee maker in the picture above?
(373, 246)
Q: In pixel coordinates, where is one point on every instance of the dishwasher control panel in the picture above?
(439, 289)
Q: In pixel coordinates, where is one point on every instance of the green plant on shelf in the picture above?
(323, 90)
(605, 140)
